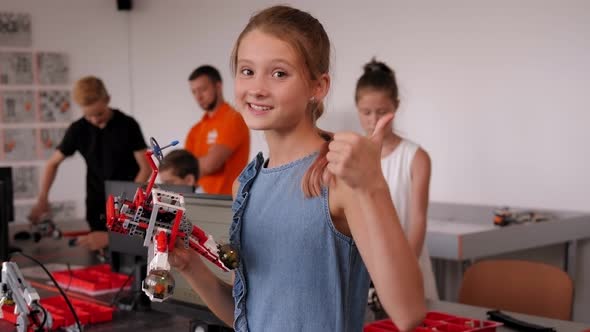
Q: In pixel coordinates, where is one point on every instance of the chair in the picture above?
(520, 286)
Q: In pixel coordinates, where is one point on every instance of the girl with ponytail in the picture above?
(406, 166)
(312, 221)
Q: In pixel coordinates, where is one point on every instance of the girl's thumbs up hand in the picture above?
(356, 159)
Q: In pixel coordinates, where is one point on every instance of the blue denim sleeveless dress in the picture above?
(296, 272)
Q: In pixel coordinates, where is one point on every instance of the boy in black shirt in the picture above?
(113, 147)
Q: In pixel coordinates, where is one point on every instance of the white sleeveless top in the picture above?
(397, 170)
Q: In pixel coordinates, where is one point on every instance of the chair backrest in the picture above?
(519, 286)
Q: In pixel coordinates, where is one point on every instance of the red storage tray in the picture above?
(92, 280)
(438, 321)
(438, 316)
(88, 313)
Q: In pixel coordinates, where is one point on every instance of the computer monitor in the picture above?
(213, 214)
(8, 203)
(4, 251)
(6, 210)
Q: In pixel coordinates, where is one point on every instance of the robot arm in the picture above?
(161, 222)
(159, 218)
(15, 288)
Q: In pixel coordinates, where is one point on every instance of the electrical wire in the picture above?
(129, 276)
(34, 317)
(70, 306)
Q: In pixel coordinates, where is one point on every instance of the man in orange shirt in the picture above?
(221, 140)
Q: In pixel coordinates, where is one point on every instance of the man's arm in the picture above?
(213, 162)
(49, 174)
(144, 166)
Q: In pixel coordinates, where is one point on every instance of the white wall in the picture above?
(495, 91)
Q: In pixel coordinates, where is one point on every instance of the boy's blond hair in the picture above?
(88, 90)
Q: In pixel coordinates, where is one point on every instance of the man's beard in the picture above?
(211, 106)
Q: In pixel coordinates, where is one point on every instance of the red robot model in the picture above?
(159, 217)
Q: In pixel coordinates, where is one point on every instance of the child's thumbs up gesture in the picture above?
(356, 159)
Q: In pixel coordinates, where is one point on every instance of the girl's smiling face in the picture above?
(271, 89)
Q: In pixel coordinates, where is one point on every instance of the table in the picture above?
(459, 234)
(480, 313)
(49, 250)
(466, 232)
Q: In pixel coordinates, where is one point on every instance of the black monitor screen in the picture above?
(3, 225)
(8, 200)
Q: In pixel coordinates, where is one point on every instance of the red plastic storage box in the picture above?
(439, 322)
(88, 313)
(92, 280)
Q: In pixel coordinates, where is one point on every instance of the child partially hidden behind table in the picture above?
(179, 167)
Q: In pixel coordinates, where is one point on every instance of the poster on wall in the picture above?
(19, 144)
(53, 68)
(17, 107)
(35, 109)
(55, 106)
(15, 29)
(16, 68)
(50, 139)
(25, 182)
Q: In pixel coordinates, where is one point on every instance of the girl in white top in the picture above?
(405, 165)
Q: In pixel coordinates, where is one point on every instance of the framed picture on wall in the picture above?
(53, 68)
(55, 106)
(16, 68)
(25, 182)
(15, 29)
(19, 144)
(17, 107)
